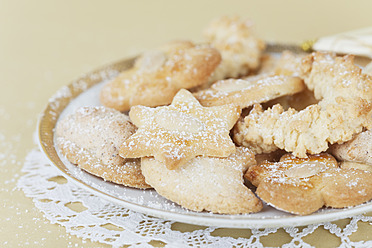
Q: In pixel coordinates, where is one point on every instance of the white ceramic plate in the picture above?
(85, 92)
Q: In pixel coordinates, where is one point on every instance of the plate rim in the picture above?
(58, 102)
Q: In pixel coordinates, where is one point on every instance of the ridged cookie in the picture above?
(205, 183)
(344, 109)
(90, 138)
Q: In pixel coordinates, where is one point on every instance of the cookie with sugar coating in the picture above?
(304, 185)
(206, 183)
(250, 90)
(159, 74)
(181, 131)
(90, 138)
(344, 110)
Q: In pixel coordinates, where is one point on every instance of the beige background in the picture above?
(46, 44)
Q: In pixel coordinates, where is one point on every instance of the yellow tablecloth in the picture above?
(46, 44)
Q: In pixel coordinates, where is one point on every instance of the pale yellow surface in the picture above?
(44, 45)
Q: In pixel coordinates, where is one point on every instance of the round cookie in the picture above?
(206, 183)
(90, 138)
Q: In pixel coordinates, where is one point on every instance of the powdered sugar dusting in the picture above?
(180, 131)
(247, 91)
(206, 183)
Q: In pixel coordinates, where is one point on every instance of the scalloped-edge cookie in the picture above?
(304, 185)
(206, 183)
(90, 138)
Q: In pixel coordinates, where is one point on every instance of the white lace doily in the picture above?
(105, 222)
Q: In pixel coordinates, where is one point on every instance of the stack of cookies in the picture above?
(223, 126)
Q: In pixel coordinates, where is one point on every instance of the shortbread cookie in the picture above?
(240, 48)
(359, 149)
(177, 133)
(91, 137)
(250, 90)
(206, 183)
(158, 75)
(302, 186)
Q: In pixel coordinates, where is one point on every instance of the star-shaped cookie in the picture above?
(176, 133)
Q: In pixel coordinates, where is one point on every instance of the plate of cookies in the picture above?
(232, 132)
